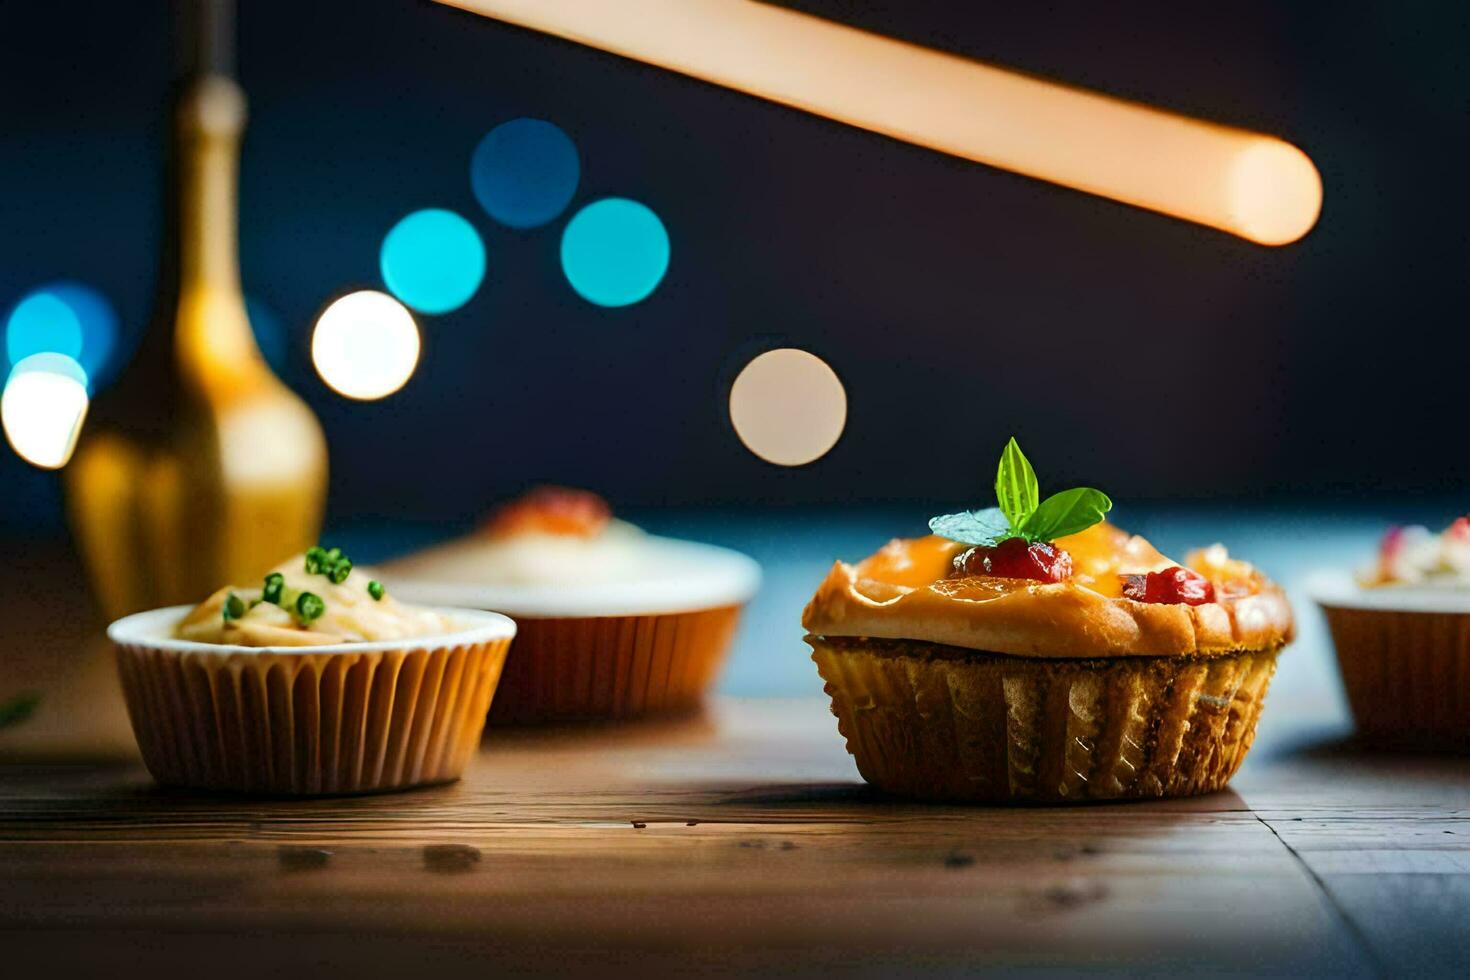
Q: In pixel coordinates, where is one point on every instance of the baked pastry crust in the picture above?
(903, 592)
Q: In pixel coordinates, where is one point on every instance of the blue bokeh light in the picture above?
(68, 318)
(433, 260)
(42, 322)
(99, 326)
(51, 363)
(270, 333)
(615, 251)
(524, 172)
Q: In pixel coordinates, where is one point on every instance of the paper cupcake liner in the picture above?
(939, 723)
(612, 667)
(308, 724)
(1407, 675)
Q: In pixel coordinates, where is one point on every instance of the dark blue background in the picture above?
(959, 304)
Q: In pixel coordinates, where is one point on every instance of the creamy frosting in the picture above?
(615, 553)
(350, 614)
(558, 552)
(665, 576)
(1414, 555)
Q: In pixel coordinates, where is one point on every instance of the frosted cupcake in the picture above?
(1033, 652)
(613, 623)
(316, 681)
(1402, 632)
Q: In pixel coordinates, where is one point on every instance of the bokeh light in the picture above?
(42, 322)
(433, 260)
(615, 251)
(99, 328)
(42, 408)
(788, 407)
(68, 318)
(524, 172)
(270, 333)
(365, 345)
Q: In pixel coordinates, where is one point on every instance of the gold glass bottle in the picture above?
(199, 467)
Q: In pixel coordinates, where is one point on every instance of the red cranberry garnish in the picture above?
(1014, 558)
(1171, 586)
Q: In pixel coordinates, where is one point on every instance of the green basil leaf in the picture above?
(985, 527)
(1067, 513)
(1015, 486)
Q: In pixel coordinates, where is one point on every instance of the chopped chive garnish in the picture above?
(234, 607)
(376, 590)
(330, 562)
(274, 583)
(309, 606)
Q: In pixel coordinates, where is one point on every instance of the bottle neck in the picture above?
(211, 118)
(212, 332)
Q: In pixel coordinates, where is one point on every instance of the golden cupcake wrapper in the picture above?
(1407, 675)
(308, 724)
(940, 723)
(613, 667)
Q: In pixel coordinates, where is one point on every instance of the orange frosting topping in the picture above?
(909, 589)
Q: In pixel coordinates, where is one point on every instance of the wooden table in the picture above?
(739, 841)
(735, 843)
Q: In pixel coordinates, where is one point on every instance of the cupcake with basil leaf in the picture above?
(1034, 651)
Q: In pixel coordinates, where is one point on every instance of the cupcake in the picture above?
(1034, 652)
(612, 623)
(315, 682)
(1402, 632)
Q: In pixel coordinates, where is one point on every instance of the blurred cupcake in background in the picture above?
(612, 623)
(1401, 627)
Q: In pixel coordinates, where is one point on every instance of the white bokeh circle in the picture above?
(788, 407)
(365, 345)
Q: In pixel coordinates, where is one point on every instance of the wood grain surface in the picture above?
(738, 841)
(741, 841)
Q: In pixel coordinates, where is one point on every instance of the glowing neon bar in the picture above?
(1252, 185)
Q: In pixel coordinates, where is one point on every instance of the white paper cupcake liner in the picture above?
(342, 719)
